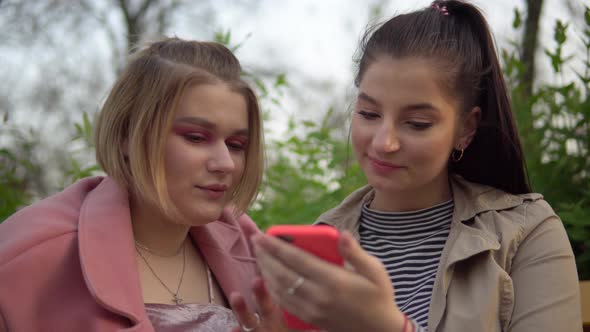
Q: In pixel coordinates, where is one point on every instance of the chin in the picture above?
(200, 216)
(386, 185)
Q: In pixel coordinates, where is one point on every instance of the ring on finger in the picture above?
(250, 329)
(291, 290)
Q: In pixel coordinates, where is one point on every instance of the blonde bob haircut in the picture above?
(134, 122)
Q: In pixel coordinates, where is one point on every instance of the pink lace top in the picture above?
(193, 317)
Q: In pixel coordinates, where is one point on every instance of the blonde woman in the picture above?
(158, 243)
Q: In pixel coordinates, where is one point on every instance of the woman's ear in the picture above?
(469, 128)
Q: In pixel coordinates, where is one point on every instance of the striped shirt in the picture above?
(409, 244)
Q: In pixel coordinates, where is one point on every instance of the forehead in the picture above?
(216, 103)
(405, 80)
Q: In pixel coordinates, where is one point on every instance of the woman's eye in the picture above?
(418, 125)
(236, 145)
(195, 138)
(368, 115)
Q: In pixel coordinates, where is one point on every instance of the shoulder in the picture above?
(473, 199)
(54, 218)
(510, 217)
(346, 214)
(526, 211)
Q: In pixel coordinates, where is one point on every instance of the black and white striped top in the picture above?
(409, 244)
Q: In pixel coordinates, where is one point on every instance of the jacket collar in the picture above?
(470, 199)
(107, 252)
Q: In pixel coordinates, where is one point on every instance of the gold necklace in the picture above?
(140, 245)
(175, 297)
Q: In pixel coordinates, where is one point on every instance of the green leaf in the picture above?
(517, 22)
(308, 124)
(281, 80)
(560, 32)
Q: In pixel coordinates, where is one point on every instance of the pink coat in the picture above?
(67, 263)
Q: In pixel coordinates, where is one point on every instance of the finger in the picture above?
(296, 259)
(277, 277)
(266, 307)
(303, 301)
(280, 278)
(243, 314)
(363, 263)
(271, 314)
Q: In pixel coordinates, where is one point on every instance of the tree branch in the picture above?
(529, 44)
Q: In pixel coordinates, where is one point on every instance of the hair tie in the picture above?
(441, 9)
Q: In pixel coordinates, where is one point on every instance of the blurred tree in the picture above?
(554, 123)
(529, 44)
(126, 23)
(59, 57)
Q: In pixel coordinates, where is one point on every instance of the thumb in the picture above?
(363, 263)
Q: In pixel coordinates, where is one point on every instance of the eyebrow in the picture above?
(208, 124)
(420, 106)
(411, 107)
(369, 99)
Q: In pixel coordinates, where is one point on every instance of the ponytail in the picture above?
(457, 37)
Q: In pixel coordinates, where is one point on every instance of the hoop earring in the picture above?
(454, 155)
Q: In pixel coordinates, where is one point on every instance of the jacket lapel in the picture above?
(228, 255)
(107, 255)
(465, 241)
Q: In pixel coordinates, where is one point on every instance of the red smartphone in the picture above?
(321, 241)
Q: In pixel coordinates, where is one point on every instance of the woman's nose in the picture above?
(385, 139)
(221, 160)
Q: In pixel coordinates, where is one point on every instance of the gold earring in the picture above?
(454, 155)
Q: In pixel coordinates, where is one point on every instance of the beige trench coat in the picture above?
(506, 266)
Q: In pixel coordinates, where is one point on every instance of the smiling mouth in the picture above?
(381, 163)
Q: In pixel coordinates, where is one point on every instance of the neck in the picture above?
(152, 229)
(430, 194)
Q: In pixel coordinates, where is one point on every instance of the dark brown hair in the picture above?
(456, 36)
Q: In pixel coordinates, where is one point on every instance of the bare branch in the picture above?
(529, 44)
(144, 7)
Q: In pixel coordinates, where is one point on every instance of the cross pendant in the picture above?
(177, 299)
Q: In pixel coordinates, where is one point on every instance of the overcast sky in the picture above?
(318, 38)
(310, 40)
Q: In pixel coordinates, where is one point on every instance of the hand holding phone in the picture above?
(321, 241)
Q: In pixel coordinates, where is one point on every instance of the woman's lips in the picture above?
(214, 191)
(383, 167)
